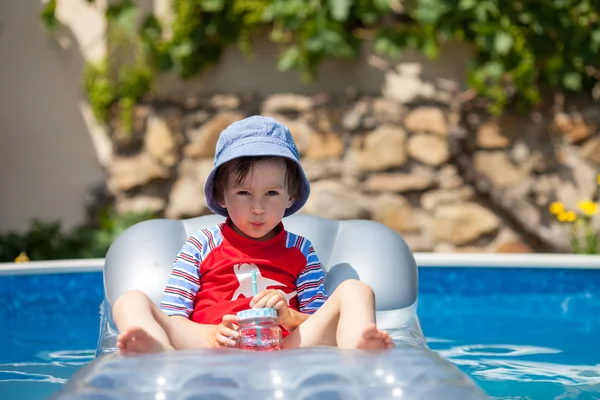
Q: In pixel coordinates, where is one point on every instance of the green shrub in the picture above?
(47, 241)
(521, 47)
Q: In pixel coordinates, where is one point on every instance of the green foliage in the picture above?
(100, 89)
(48, 16)
(47, 241)
(520, 46)
(131, 80)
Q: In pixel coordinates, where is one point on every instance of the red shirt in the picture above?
(212, 274)
(226, 274)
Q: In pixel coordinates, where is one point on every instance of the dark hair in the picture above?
(241, 167)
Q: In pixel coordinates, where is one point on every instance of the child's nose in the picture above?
(257, 207)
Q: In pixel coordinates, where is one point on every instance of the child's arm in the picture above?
(179, 294)
(178, 301)
(184, 283)
(310, 286)
(310, 283)
(287, 317)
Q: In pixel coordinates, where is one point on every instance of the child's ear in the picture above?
(290, 202)
(222, 203)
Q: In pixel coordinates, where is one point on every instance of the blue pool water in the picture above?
(519, 333)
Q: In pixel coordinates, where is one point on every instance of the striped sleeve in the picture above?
(311, 281)
(178, 297)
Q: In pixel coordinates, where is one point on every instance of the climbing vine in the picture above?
(521, 47)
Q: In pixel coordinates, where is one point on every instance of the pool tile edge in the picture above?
(471, 260)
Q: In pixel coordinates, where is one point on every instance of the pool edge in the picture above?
(53, 266)
(470, 260)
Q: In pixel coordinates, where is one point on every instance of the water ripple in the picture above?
(55, 367)
(497, 362)
(532, 371)
(68, 355)
(501, 350)
(20, 376)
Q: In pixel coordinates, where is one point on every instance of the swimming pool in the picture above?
(521, 333)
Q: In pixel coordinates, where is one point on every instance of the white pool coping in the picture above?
(472, 260)
(53, 266)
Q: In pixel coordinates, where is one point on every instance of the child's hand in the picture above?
(226, 334)
(272, 298)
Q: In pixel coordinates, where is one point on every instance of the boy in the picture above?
(257, 180)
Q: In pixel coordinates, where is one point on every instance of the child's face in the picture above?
(256, 206)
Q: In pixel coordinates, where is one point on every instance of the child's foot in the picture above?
(137, 340)
(375, 339)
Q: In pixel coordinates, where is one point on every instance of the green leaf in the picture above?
(495, 70)
(525, 18)
(212, 5)
(464, 5)
(430, 48)
(48, 16)
(340, 9)
(382, 5)
(595, 35)
(124, 15)
(503, 43)
(330, 43)
(486, 9)
(151, 28)
(289, 59)
(182, 50)
(385, 45)
(532, 95)
(572, 81)
(430, 11)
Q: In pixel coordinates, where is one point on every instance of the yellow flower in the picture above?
(557, 207)
(588, 207)
(598, 179)
(22, 257)
(566, 216)
(571, 216)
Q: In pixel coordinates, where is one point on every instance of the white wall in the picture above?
(47, 159)
(47, 162)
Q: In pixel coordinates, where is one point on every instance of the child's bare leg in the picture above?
(347, 319)
(145, 328)
(137, 340)
(137, 319)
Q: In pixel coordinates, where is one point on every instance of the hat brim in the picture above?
(256, 147)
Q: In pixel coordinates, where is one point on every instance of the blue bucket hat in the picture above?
(255, 136)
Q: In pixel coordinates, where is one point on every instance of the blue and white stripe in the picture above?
(184, 283)
(310, 284)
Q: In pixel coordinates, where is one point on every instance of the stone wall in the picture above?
(446, 178)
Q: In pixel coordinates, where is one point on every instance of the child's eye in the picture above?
(243, 193)
(272, 193)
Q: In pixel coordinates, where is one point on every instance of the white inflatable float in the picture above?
(383, 260)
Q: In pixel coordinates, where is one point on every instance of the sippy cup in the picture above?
(258, 330)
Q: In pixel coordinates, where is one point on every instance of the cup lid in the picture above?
(257, 313)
